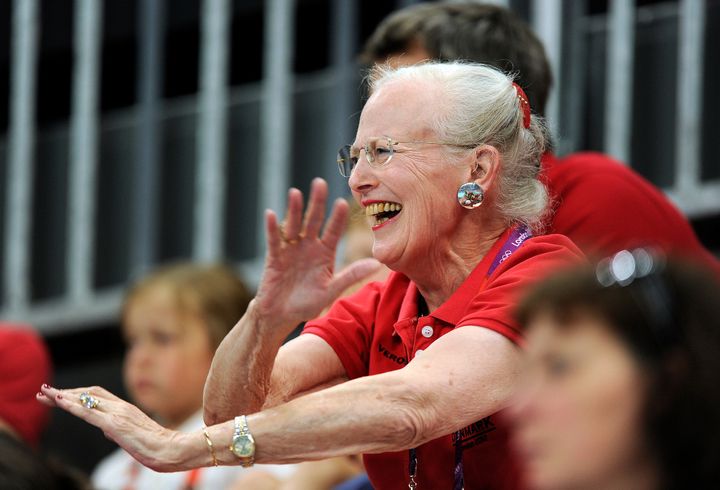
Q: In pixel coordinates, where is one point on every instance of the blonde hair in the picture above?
(481, 106)
(213, 292)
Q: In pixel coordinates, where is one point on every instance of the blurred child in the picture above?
(624, 370)
(172, 321)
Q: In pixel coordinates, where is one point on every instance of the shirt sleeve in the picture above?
(347, 328)
(494, 305)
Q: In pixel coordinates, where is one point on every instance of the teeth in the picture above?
(380, 207)
(375, 208)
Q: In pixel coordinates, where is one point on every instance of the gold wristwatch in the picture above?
(243, 444)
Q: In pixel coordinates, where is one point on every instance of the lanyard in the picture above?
(516, 238)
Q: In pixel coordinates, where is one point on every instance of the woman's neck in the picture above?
(441, 275)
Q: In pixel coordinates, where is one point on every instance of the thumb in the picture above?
(355, 272)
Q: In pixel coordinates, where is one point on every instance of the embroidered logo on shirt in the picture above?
(474, 434)
(395, 358)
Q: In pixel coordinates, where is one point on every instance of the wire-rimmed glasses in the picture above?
(378, 152)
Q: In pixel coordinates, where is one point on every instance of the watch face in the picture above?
(243, 446)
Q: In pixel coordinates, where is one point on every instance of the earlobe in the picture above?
(471, 194)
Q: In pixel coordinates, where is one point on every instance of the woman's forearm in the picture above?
(239, 378)
(366, 415)
(348, 419)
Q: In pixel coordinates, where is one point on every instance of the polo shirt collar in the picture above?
(452, 310)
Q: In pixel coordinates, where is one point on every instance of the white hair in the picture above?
(481, 106)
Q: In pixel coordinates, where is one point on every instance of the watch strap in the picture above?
(242, 430)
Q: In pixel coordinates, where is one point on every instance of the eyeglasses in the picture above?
(378, 152)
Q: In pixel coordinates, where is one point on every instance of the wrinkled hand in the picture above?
(299, 278)
(151, 444)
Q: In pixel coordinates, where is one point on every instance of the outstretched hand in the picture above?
(125, 424)
(299, 278)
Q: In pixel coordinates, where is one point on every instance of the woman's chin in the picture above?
(386, 254)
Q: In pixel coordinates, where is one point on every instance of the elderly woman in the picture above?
(411, 372)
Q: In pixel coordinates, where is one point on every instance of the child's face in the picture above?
(168, 356)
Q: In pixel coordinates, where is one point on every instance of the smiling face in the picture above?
(168, 355)
(579, 420)
(410, 201)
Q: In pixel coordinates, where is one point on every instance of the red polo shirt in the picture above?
(604, 207)
(377, 330)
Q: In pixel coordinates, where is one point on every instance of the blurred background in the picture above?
(138, 132)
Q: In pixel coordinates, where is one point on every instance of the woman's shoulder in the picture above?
(543, 243)
(542, 253)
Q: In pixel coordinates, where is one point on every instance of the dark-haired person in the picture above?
(24, 468)
(622, 380)
(602, 205)
(413, 372)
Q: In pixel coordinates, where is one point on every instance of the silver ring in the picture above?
(88, 401)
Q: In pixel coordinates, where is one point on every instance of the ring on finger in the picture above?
(88, 401)
(289, 241)
(284, 237)
(294, 241)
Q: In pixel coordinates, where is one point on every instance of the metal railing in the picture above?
(84, 305)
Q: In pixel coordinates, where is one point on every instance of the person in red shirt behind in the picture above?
(602, 205)
(24, 362)
(415, 372)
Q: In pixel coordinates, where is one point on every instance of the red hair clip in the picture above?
(524, 104)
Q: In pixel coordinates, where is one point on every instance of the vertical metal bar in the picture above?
(151, 15)
(619, 79)
(83, 147)
(276, 110)
(547, 22)
(212, 131)
(343, 43)
(21, 158)
(573, 105)
(690, 86)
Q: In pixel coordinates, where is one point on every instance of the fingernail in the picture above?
(40, 393)
(45, 385)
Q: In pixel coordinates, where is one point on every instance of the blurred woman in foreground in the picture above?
(624, 370)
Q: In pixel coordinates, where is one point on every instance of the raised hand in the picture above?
(299, 278)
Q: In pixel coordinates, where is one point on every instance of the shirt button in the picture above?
(418, 352)
(427, 331)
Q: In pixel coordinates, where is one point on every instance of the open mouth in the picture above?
(382, 211)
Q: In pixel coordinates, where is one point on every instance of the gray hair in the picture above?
(482, 107)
